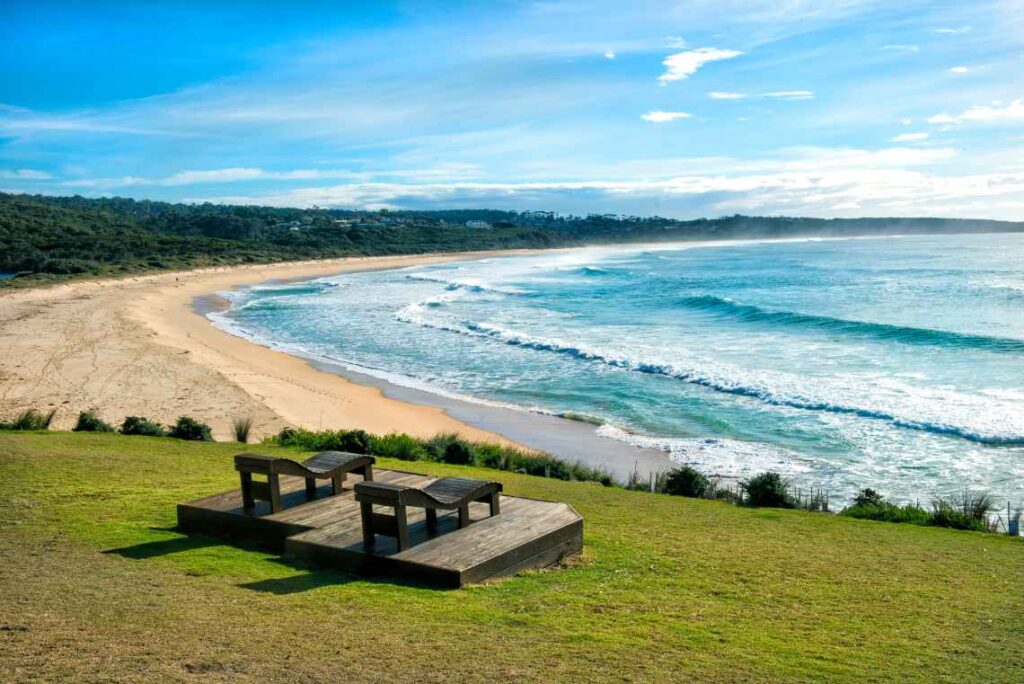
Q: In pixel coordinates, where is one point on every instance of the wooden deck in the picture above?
(327, 531)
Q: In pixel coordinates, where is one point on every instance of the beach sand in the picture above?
(139, 346)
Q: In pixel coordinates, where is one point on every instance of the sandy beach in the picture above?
(137, 346)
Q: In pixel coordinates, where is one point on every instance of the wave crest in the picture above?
(750, 313)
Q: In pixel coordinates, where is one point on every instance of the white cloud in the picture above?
(959, 70)
(994, 113)
(720, 95)
(229, 175)
(906, 122)
(684, 64)
(910, 137)
(902, 48)
(953, 31)
(675, 42)
(864, 183)
(24, 174)
(1011, 112)
(658, 116)
(609, 54)
(791, 94)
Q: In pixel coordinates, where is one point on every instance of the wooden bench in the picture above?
(448, 493)
(333, 465)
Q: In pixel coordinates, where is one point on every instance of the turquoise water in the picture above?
(893, 363)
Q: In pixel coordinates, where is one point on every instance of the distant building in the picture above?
(477, 224)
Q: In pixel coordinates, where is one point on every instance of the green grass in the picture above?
(96, 585)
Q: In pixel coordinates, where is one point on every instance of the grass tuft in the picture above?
(241, 428)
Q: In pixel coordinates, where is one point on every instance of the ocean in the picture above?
(894, 363)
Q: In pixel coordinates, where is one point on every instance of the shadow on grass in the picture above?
(163, 547)
(314, 578)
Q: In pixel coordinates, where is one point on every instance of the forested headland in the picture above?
(45, 237)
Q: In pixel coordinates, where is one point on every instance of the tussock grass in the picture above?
(241, 427)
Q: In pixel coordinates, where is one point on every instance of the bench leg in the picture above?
(247, 501)
(402, 527)
(336, 482)
(495, 503)
(368, 472)
(274, 482)
(463, 516)
(432, 520)
(310, 487)
(366, 510)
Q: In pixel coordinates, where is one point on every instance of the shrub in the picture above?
(970, 513)
(686, 481)
(889, 512)
(241, 427)
(30, 420)
(88, 421)
(355, 441)
(868, 497)
(767, 489)
(448, 448)
(458, 453)
(191, 429)
(395, 445)
(135, 425)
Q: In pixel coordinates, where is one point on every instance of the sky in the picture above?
(681, 109)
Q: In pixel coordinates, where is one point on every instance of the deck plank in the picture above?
(528, 533)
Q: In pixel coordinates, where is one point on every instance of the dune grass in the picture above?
(97, 585)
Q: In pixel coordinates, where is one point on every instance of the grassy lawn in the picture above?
(97, 586)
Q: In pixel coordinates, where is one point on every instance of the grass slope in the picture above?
(97, 586)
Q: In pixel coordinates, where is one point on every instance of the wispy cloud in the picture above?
(777, 95)
(902, 47)
(658, 116)
(953, 31)
(959, 70)
(24, 174)
(609, 54)
(910, 137)
(791, 94)
(685, 64)
(228, 175)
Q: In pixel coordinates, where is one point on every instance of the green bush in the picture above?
(448, 448)
(888, 512)
(686, 481)
(395, 445)
(868, 497)
(30, 420)
(135, 425)
(355, 441)
(769, 490)
(970, 513)
(190, 429)
(88, 421)
(458, 453)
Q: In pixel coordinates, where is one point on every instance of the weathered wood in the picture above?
(333, 465)
(328, 530)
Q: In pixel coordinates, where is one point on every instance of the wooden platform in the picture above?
(327, 531)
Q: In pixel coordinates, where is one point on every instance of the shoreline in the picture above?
(142, 345)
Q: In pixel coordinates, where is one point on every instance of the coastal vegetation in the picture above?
(43, 238)
(668, 587)
(972, 511)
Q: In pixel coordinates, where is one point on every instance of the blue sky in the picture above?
(686, 109)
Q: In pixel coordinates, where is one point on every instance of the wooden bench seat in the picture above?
(448, 493)
(333, 465)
